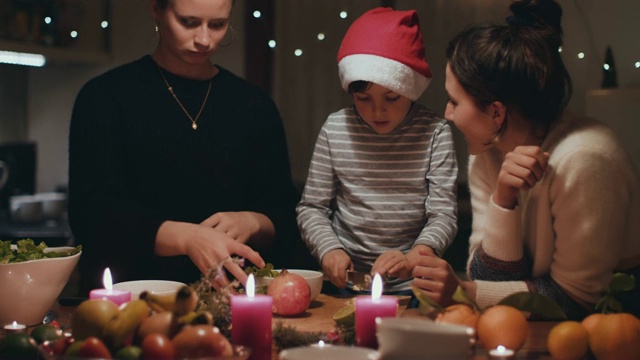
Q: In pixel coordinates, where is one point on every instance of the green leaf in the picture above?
(621, 282)
(267, 271)
(460, 296)
(536, 304)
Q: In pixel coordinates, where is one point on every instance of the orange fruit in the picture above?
(590, 321)
(459, 314)
(569, 340)
(502, 325)
(615, 336)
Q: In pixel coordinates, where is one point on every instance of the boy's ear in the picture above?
(498, 112)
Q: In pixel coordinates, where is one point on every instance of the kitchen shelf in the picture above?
(58, 54)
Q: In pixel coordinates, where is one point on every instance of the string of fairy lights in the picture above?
(39, 60)
(272, 43)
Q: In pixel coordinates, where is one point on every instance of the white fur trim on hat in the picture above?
(382, 71)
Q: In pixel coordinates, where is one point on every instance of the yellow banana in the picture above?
(186, 301)
(125, 322)
(159, 303)
(202, 317)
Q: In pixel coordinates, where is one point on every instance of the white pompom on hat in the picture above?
(385, 47)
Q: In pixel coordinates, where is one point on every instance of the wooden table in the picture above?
(318, 318)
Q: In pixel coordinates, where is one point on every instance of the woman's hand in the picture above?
(334, 265)
(207, 248)
(437, 279)
(521, 169)
(242, 225)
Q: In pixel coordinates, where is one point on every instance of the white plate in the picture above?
(161, 287)
(328, 352)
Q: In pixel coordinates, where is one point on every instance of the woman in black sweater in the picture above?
(176, 163)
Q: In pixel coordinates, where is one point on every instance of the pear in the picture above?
(91, 318)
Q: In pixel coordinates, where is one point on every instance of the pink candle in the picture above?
(119, 297)
(251, 316)
(370, 308)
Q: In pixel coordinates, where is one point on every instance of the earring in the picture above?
(233, 37)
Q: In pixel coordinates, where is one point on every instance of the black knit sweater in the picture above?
(135, 162)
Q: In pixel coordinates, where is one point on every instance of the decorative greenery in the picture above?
(286, 336)
(535, 303)
(346, 334)
(217, 302)
(620, 282)
(267, 271)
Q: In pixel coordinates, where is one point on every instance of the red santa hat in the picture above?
(385, 47)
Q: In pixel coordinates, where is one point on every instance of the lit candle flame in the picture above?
(376, 288)
(251, 286)
(501, 349)
(321, 343)
(15, 324)
(107, 281)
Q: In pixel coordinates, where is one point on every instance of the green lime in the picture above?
(345, 316)
(426, 306)
(44, 332)
(130, 352)
(18, 346)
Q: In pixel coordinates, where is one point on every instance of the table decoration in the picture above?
(368, 308)
(119, 297)
(14, 327)
(251, 317)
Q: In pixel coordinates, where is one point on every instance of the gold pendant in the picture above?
(194, 126)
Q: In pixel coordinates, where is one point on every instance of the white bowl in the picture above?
(30, 288)
(26, 209)
(416, 338)
(160, 287)
(316, 352)
(313, 278)
(54, 205)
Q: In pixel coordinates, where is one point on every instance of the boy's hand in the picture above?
(334, 265)
(393, 263)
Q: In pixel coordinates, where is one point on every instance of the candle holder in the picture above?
(14, 328)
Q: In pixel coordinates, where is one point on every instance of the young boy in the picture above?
(382, 179)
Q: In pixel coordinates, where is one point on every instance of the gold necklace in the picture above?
(194, 124)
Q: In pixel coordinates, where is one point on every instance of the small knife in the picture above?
(361, 281)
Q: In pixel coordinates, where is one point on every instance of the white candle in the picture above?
(501, 353)
(14, 328)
